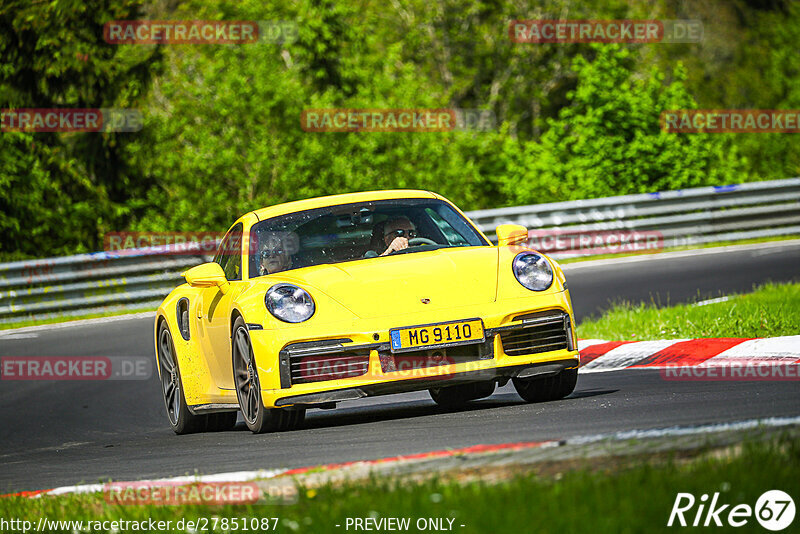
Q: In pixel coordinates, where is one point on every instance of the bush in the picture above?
(608, 140)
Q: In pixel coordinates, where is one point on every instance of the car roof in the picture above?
(335, 200)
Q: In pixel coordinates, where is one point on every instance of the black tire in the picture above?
(180, 418)
(461, 394)
(248, 389)
(548, 388)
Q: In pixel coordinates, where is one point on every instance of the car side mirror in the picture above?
(511, 234)
(207, 275)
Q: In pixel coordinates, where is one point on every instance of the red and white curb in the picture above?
(599, 355)
(247, 476)
(473, 451)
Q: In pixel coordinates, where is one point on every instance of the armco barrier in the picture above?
(89, 283)
(688, 216)
(109, 281)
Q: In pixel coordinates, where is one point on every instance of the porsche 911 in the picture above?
(311, 303)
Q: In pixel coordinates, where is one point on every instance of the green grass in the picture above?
(68, 318)
(594, 498)
(771, 310)
(715, 244)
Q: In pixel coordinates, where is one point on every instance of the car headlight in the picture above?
(532, 271)
(289, 303)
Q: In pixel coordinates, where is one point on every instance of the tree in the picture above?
(608, 140)
(66, 189)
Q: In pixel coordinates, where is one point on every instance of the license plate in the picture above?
(437, 335)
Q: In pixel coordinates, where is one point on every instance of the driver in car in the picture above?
(396, 233)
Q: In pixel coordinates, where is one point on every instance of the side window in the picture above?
(229, 256)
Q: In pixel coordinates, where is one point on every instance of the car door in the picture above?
(215, 309)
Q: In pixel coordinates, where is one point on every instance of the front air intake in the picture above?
(320, 368)
(537, 334)
(322, 360)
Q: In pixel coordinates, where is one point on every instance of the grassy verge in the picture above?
(599, 498)
(685, 247)
(68, 318)
(770, 310)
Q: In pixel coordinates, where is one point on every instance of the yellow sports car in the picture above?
(337, 298)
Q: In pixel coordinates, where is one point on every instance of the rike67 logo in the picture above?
(774, 510)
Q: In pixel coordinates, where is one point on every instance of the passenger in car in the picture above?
(275, 256)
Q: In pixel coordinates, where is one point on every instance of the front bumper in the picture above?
(276, 350)
(541, 369)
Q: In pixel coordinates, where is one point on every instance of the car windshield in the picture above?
(356, 231)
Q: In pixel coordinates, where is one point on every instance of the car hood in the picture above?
(393, 285)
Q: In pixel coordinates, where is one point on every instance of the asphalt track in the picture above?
(61, 433)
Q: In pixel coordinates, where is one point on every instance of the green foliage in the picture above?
(748, 59)
(222, 122)
(608, 141)
(45, 198)
(233, 142)
(60, 192)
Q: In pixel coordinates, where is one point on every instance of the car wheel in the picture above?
(462, 393)
(180, 418)
(547, 388)
(248, 389)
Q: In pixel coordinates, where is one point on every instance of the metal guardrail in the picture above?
(127, 280)
(89, 283)
(688, 216)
